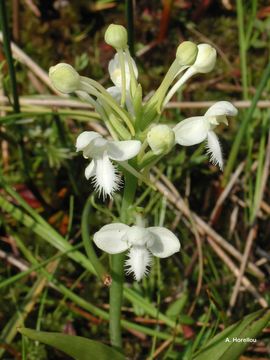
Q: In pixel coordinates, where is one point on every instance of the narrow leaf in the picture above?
(232, 342)
(77, 347)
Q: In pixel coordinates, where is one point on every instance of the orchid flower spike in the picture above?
(196, 129)
(140, 242)
(94, 146)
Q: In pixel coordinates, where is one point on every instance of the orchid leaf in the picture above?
(79, 348)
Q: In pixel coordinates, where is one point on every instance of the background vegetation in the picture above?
(222, 219)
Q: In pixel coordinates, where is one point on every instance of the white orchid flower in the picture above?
(115, 71)
(204, 63)
(196, 129)
(140, 242)
(116, 77)
(94, 146)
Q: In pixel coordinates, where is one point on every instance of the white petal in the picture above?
(138, 236)
(85, 138)
(96, 148)
(106, 180)
(165, 242)
(123, 150)
(222, 108)
(115, 71)
(115, 92)
(109, 238)
(90, 170)
(214, 149)
(191, 131)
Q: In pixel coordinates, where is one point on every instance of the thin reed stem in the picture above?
(130, 25)
(244, 124)
(242, 46)
(7, 50)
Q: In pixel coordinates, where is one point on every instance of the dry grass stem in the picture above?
(225, 193)
(251, 236)
(13, 261)
(253, 231)
(203, 227)
(34, 67)
(245, 281)
(60, 101)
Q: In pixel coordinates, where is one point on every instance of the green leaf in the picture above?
(223, 347)
(77, 347)
(176, 308)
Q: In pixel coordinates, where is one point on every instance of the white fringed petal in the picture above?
(138, 262)
(85, 138)
(90, 170)
(191, 131)
(106, 180)
(214, 149)
(109, 238)
(123, 150)
(165, 242)
(222, 108)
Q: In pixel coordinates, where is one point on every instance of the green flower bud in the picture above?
(206, 58)
(161, 139)
(64, 78)
(116, 36)
(186, 53)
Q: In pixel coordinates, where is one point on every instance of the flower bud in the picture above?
(64, 78)
(206, 58)
(186, 53)
(161, 139)
(116, 36)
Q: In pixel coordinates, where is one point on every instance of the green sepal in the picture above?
(137, 104)
(149, 115)
(123, 133)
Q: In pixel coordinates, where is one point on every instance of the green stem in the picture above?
(123, 76)
(242, 130)
(117, 267)
(242, 45)
(133, 79)
(7, 50)
(101, 271)
(130, 25)
(16, 103)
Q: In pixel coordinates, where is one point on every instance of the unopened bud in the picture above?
(64, 78)
(206, 58)
(161, 139)
(116, 36)
(186, 53)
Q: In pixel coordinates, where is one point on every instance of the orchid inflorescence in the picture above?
(136, 134)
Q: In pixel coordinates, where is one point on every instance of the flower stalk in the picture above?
(117, 267)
